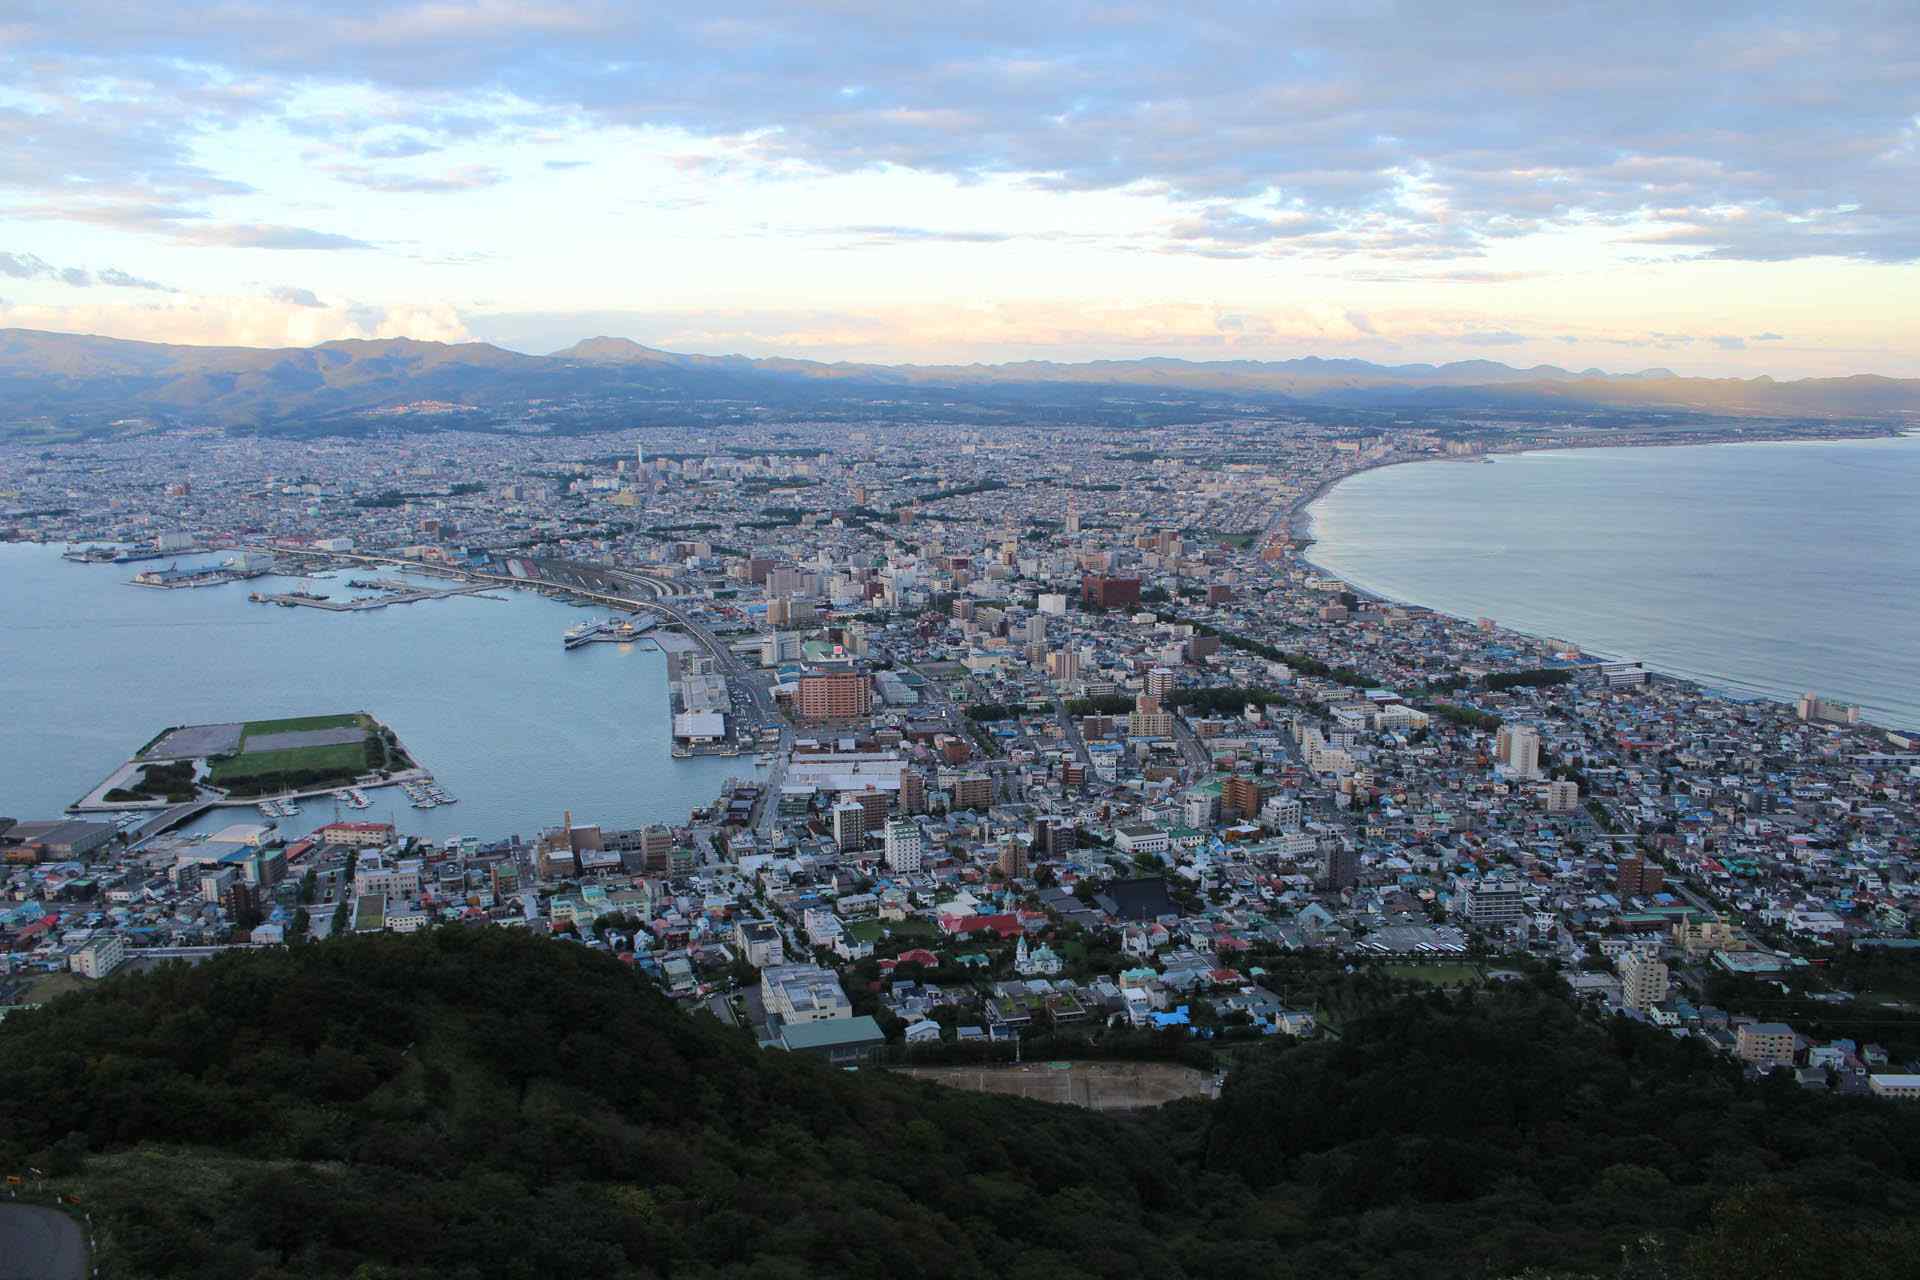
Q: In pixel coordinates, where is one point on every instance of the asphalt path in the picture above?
(37, 1243)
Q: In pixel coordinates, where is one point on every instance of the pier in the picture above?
(612, 631)
(412, 595)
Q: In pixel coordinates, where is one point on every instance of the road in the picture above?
(1199, 761)
(37, 1243)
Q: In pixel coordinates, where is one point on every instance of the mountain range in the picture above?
(75, 380)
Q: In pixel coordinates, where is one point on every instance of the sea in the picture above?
(1759, 570)
(479, 690)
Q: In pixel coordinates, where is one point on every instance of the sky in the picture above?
(1714, 189)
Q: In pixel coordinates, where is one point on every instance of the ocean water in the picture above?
(479, 690)
(1758, 569)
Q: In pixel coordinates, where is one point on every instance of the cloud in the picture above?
(29, 266)
(1493, 338)
(264, 236)
(1421, 131)
(294, 297)
(240, 321)
(1729, 342)
(469, 178)
(398, 147)
(122, 280)
(882, 235)
(1767, 337)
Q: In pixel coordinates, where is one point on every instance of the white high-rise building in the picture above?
(1518, 748)
(906, 847)
(1643, 978)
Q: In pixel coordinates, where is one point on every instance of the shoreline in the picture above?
(1297, 521)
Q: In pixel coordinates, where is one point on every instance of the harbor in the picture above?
(426, 793)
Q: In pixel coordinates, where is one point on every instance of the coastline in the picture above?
(1298, 520)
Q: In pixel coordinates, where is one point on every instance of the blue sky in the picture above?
(1710, 188)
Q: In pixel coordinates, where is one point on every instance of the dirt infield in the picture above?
(1100, 1086)
(196, 741)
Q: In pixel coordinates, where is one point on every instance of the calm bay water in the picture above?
(1765, 569)
(479, 690)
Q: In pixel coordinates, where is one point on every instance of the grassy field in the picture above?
(348, 759)
(48, 985)
(874, 930)
(1439, 975)
(299, 724)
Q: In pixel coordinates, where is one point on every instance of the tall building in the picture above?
(850, 825)
(1493, 904)
(1013, 857)
(1054, 836)
(974, 791)
(1159, 683)
(1768, 1044)
(1064, 666)
(1639, 878)
(833, 695)
(1340, 865)
(906, 847)
(1518, 748)
(1148, 720)
(913, 791)
(1241, 797)
(1202, 808)
(1643, 978)
(1104, 592)
(1563, 796)
(875, 802)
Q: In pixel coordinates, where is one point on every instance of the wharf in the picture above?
(612, 631)
(308, 600)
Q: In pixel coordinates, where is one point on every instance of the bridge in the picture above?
(168, 819)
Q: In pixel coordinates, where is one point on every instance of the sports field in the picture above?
(306, 748)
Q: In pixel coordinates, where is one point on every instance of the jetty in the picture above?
(612, 631)
(411, 595)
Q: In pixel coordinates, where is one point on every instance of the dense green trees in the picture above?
(486, 1103)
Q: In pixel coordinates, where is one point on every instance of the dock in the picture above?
(612, 631)
(412, 595)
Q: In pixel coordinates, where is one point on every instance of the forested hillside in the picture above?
(484, 1103)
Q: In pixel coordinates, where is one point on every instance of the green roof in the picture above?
(832, 1033)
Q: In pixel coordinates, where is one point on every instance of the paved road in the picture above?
(37, 1243)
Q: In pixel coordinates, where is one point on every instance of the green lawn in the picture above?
(873, 930)
(299, 724)
(348, 759)
(1436, 974)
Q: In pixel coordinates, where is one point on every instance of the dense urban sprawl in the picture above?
(1057, 734)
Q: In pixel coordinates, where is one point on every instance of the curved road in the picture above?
(37, 1243)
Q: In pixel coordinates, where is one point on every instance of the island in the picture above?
(265, 762)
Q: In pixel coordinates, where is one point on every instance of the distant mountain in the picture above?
(82, 381)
